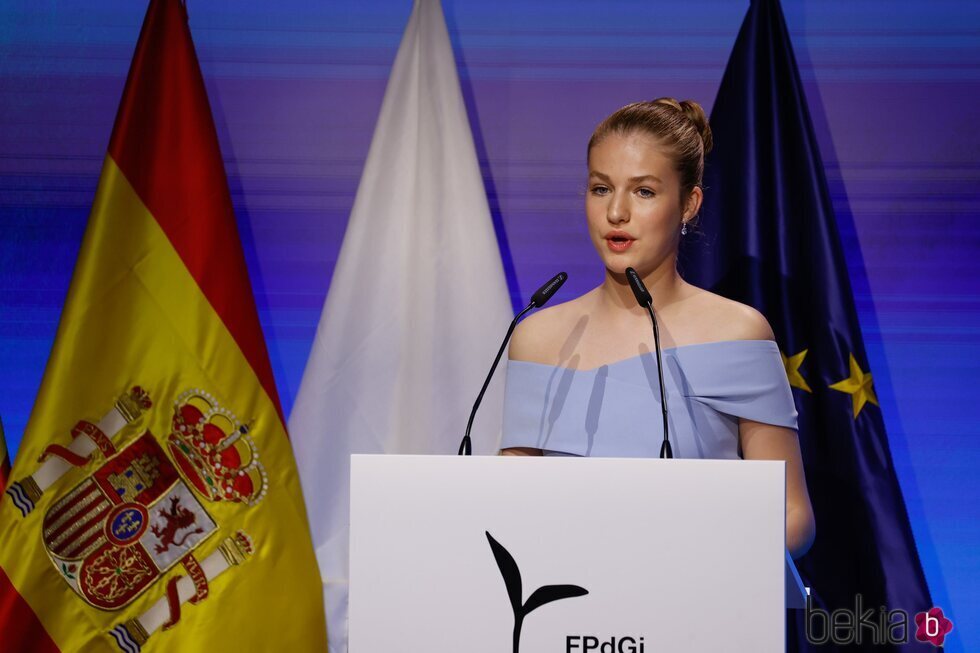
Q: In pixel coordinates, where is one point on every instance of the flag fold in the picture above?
(154, 503)
(417, 306)
(769, 239)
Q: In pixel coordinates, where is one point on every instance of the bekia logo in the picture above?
(541, 596)
(932, 626)
(844, 626)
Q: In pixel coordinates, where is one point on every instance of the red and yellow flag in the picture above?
(154, 504)
(4, 460)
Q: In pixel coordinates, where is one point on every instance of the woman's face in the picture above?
(633, 204)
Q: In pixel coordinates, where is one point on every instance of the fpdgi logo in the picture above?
(539, 597)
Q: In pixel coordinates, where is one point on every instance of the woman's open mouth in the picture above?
(619, 242)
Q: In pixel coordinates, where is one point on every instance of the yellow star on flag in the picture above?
(858, 385)
(792, 365)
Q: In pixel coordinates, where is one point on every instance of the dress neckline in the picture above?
(665, 350)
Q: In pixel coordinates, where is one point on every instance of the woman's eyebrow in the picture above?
(596, 173)
(645, 177)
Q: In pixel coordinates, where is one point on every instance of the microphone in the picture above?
(538, 299)
(640, 291)
(644, 299)
(547, 291)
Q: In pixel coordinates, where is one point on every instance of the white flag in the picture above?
(417, 306)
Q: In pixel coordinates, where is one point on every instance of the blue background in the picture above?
(296, 87)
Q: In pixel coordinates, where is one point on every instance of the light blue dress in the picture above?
(614, 410)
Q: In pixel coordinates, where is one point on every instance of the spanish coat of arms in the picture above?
(143, 511)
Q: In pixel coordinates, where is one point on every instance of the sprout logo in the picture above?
(540, 596)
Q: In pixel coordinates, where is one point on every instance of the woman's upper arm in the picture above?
(768, 442)
(520, 451)
(760, 441)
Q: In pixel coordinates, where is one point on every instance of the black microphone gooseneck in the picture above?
(645, 300)
(538, 299)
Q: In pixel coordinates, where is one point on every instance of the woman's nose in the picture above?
(618, 211)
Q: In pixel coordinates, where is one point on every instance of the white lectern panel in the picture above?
(676, 555)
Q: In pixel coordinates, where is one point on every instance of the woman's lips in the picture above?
(619, 244)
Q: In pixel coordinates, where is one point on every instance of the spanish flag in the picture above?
(154, 503)
(4, 460)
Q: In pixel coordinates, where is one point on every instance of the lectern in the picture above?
(496, 554)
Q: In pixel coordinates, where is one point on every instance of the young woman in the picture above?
(582, 377)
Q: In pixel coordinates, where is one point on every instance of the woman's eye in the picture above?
(599, 190)
(645, 192)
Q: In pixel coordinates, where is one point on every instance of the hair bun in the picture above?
(695, 114)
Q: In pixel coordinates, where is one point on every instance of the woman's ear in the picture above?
(693, 203)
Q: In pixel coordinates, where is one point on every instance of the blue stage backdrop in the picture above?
(296, 87)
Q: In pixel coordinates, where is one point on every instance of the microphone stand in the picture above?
(644, 299)
(538, 299)
(466, 446)
(665, 451)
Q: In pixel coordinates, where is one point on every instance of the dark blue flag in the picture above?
(769, 238)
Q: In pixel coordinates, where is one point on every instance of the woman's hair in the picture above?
(680, 126)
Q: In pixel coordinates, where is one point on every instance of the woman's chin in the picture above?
(617, 266)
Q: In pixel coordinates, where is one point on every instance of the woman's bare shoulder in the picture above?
(540, 337)
(727, 319)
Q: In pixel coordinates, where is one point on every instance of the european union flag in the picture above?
(769, 239)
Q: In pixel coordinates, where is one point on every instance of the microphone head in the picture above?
(544, 293)
(640, 291)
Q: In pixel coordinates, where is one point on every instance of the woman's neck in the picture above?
(664, 283)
